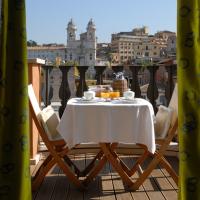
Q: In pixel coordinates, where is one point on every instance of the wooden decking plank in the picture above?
(150, 186)
(170, 179)
(166, 188)
(174, 161)
(73, 192)
(106, 185)
(152, 190)
(170, 195)
(33, 170)
(47, 187)
(92, 191)
(120, 192)
(161, 180)
(140, 194)
(61, 187)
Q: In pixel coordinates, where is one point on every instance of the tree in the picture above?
(31, 43)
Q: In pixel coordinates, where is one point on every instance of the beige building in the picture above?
(164, 34)
(138, 44)
(141, 31)
(50, 53)
(171, 46)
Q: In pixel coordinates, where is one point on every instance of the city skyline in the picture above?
(47, 20)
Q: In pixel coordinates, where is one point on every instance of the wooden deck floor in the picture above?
(108, 185)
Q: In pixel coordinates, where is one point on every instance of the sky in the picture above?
(47, 19)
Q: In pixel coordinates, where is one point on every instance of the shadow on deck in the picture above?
(108, 184)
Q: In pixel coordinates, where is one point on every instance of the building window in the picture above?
(70, 56)
(146, 54)
(90, 56)
(155, 53)
(147, 48)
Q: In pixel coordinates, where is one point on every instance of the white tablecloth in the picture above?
(108, 122)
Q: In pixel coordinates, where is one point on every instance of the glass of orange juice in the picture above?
(105, 95)
(114, 94)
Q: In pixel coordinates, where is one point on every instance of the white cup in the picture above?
(89, 95)
(129, 95)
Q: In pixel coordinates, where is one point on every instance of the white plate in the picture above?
(84, 100)
(123, 100)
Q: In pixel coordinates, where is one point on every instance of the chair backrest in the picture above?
(35, 111)
(174, 104)
(46, 118)
(33, 100)
(166, 116)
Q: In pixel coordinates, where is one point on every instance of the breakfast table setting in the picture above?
(108, 120)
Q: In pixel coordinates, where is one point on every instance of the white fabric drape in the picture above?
(108, 122)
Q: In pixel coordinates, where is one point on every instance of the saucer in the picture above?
(84, 100)
(124, 100)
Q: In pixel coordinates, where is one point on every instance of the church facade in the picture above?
(82, 50)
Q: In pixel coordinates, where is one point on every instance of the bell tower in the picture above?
(71, 31)
(91, 31)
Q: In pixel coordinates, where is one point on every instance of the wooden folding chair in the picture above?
(58, 151)
(162, 145)
(157, 158)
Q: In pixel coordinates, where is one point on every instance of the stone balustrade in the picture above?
(156, 81)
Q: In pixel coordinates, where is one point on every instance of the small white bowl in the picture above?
(129, 95)
(89, 95)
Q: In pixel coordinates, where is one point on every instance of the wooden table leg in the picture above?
(107, 153)
(116, 164)
(139, 161)
(96, 169)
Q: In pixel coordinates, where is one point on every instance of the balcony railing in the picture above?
(155, 84)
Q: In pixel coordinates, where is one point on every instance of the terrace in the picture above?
(14, 129)
(108, 184)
